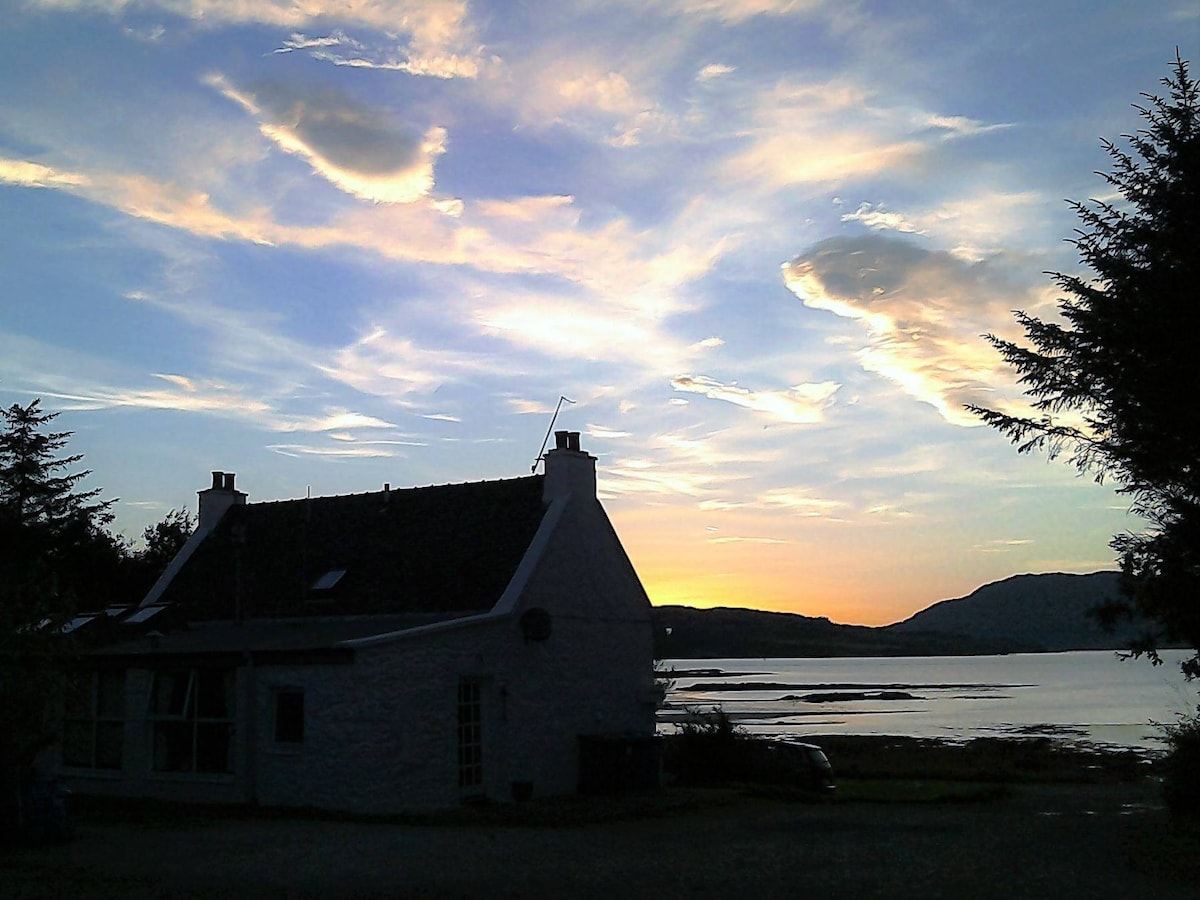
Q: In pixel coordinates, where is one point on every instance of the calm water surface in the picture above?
(1084, 696)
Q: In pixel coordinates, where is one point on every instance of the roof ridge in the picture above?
(401, 490)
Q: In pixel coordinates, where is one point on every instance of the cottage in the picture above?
(380, 652)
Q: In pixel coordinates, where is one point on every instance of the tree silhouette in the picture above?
(163, 540)
(55, 555)
(1113, 385)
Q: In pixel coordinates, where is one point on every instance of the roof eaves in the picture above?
(421, 630)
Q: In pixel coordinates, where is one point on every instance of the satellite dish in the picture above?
(535, 624)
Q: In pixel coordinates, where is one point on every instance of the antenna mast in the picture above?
(546, 439)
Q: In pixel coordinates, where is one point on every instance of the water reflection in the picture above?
(1088, 697)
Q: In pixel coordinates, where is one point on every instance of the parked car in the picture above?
(819, 769)
(793, 764)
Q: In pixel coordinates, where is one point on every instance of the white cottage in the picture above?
(381, 652)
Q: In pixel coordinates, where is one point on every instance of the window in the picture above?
(470, 733)
(289, 716)
(94, 729)
(192, 716)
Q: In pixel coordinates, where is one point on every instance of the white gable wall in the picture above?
(381, 735)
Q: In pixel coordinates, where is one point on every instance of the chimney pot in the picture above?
(214, 501)
(569, 470)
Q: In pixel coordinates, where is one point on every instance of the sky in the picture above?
(327, 245)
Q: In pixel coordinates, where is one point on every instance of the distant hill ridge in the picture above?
(1037, 612)
(1019, 614)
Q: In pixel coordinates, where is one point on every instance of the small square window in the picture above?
(289, 716)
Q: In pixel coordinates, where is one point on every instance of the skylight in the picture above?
(77, 622)
(145, 613)
(328, 581)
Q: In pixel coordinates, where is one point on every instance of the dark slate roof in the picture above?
(443, 549)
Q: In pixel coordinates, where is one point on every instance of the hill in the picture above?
(682, 632)
(1021, 613)
(1028, 612)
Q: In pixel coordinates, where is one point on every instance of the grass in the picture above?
(912, 790)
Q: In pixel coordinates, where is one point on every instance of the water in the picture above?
(1087, 697)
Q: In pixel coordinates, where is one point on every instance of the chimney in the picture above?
(569, 470)
(214, 501)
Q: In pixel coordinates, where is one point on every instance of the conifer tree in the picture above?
(1114, 382)
(54, 554)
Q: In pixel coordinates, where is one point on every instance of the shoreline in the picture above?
(992, 759)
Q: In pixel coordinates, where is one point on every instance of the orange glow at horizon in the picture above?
(691, 568)
(667, 586)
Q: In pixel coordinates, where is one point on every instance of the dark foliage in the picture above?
(55, 558)
(1181, 768)
(1112, 384)
(163, 540)
(708, 749)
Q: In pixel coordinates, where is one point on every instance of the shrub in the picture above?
(1181, 768)
(706, 749)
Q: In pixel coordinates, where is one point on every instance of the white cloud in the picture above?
(975, 226)
(734, 11)
(24, 173)
(801, 503)
(923, 313)
(714, 70)
(746, 540)
(957, 126)
(879, 219)
(333, 420)
(340, 50)
(833, 132)
(803, 404)
(607, 434)
(397, 367)
(433, 37)
(356, 452)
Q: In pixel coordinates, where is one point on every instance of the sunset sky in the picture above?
(327, 245)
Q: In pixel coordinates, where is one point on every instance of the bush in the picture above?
(1181, 768)
(706, 749)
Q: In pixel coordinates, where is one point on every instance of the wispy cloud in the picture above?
(715, 70)
(923, 313)
(355, 452)
(973, 226)
(802, 504)
(830, 133)
(30, 174)
(879, 219)
(341, 50)
(803, 404)
(431, 37)
(1000, 546)
(384, 365)
(746, 540)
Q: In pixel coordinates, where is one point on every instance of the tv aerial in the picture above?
(546, 439)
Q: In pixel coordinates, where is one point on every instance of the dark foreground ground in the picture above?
(1079, 831)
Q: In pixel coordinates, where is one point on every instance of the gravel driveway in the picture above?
(1039, 841)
